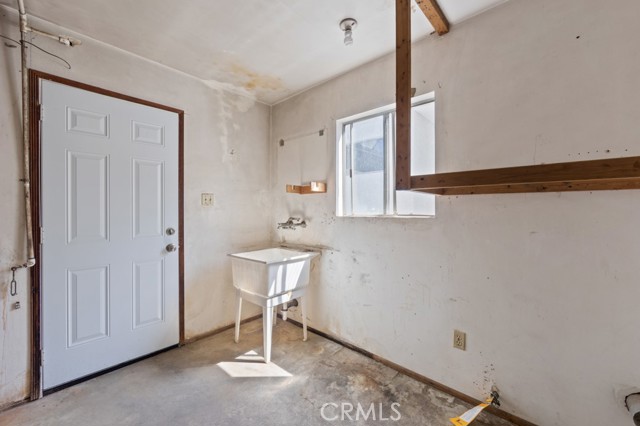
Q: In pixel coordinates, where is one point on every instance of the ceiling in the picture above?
(268, 49)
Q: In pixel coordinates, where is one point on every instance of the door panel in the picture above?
(148, 198)
(148, 293)
(88, 305)
(109, 190)
(87, 197)
(148, 133)
(87, 122)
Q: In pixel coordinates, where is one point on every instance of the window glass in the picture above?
(366, 151)
(367, 168)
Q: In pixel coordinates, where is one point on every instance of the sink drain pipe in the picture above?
(286, 306)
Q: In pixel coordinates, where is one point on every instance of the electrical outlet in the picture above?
(206, 199)
(460, 340)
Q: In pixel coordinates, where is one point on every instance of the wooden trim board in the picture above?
(220, 330)
(310, 188)
(181, 230)
(14, 404)
(590, 175)
(435, 15)
(34, 273)
(403, 94)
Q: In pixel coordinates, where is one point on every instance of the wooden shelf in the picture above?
(310, 188)
(592, 175)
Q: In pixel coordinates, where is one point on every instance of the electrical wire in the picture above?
(49, 53)
(9, 38)
(39, 48)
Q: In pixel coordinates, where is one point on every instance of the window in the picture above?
(366, 162)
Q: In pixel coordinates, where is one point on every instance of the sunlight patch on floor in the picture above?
(251, 364)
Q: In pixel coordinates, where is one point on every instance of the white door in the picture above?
(109, 201)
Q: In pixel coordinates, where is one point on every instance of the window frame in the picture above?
(388, 112)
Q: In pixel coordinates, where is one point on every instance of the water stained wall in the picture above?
(544, 285)
(226, 153)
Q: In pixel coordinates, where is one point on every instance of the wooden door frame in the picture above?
(35, 77)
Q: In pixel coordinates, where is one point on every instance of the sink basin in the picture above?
(269, 278)
(271, 271)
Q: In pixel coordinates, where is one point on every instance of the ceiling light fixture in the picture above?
(348, 25)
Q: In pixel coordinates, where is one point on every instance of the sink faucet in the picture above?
(293, 223)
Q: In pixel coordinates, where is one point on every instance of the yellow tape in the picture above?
(470, 415)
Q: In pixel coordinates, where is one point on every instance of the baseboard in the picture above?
(108, 370)
(416, 376)
(217, 330)
(14, 404)
(419, 377)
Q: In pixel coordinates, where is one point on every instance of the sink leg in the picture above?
(304, 318)
(267, 332)
(238, 314)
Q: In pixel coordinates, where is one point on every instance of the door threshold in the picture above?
(105, 371)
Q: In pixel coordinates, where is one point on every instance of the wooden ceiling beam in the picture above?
(434, 14)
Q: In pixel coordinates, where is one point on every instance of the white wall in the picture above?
(545, 285)
(226, 152)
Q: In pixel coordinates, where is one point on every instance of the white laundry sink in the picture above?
(271, 271)
(269, 278)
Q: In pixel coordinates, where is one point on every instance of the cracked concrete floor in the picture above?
(217, 382)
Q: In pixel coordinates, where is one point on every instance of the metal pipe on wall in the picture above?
(31, 259)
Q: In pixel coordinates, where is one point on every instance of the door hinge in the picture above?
(42, 357)
(41, 112)
(41, 235)
(351, 173)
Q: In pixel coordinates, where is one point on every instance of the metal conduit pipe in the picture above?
(31, 258)
(67, 41)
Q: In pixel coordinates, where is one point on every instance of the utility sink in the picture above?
(269, 278)
(271, 271)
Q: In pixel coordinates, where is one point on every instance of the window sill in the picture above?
(386, 216)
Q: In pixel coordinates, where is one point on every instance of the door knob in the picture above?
(171, 247)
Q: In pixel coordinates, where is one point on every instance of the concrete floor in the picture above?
(217, 382)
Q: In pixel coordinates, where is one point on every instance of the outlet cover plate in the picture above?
(460, 340)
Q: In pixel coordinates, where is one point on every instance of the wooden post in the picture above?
(403, 94)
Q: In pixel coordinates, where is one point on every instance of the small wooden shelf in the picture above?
(310, 188)
(592, 175)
